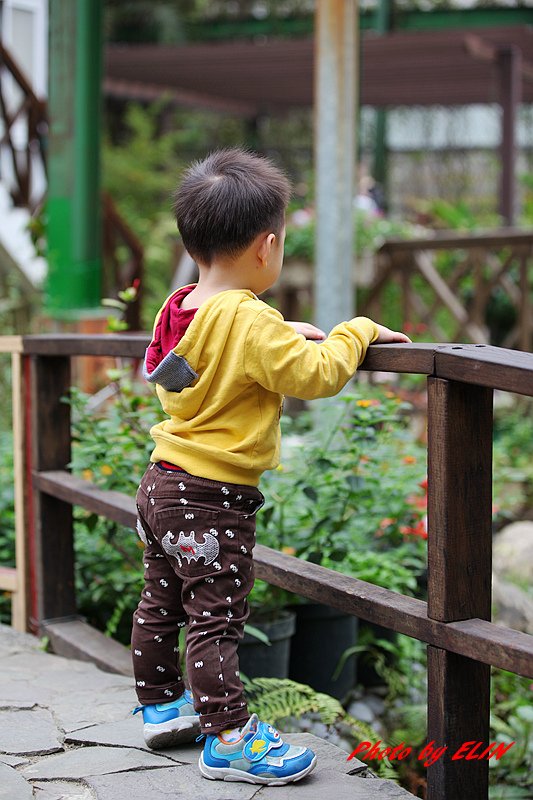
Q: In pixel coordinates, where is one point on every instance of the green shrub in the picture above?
(369, 234)
(349, 495)
(7, 517)
(112, 449)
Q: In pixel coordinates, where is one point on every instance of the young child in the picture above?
(222, 360)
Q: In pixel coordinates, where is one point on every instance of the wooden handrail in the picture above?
(475, 638)
(448, 240)
(455, 622)
(483, 365)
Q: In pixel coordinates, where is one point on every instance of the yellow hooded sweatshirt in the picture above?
(222, 386)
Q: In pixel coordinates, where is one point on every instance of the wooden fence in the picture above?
(455, 621)
(480, 284)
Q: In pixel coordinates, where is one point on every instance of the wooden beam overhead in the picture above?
(273, 76)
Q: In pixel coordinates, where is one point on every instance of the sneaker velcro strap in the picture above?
(265, 739)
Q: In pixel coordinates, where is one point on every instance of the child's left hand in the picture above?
(309, 331)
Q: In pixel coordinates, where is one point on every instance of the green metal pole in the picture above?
(74, 219)
(379, 167)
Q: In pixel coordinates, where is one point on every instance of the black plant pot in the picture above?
(322, 635)
(259, 660)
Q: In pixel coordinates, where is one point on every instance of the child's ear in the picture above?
(265, 247)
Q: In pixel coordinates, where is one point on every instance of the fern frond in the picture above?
(275, 699)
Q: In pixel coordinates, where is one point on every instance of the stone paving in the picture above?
(67, 733)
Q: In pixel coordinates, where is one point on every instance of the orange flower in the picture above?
(290, 551)
(367, 403)
(409, 460)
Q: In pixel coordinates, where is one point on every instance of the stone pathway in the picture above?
(67, 733)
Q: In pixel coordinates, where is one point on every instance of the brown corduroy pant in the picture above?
(199, 536)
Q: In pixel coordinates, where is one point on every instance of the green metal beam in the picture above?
(403, 20)
(467, 18)
(74, 220)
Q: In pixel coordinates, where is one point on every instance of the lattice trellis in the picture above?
(453, 283)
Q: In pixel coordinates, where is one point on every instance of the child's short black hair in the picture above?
(226, 200)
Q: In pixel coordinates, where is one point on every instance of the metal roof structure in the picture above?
(452, 67)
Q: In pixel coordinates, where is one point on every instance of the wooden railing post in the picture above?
(459, 579)
(525, 326)
(53, 580)
(19, 603)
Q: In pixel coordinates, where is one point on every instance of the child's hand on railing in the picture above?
(386, 336)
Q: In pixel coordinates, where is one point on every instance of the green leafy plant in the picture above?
(511, 721)
(513, 458)
(353, 502)
(7, 517)
(111, 448)
(275, 699)
(456, 215)
(117, 322)
(369, 234)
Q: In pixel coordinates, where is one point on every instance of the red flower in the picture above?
(418, 530)
(418, 502)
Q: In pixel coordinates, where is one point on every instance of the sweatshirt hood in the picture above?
(175, 365)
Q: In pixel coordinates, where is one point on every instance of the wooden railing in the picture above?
(486, 276)
(455, 621)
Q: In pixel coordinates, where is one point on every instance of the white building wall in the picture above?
(24, 33)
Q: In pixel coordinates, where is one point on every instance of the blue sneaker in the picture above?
(168, 724)
(259, 756)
